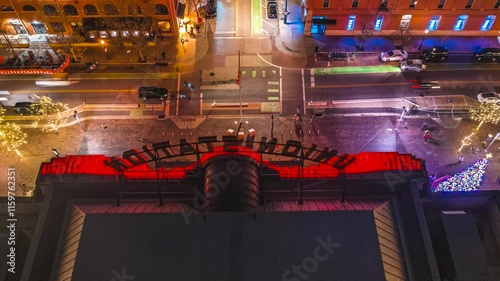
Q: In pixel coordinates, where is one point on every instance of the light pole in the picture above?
(422, 42)
(78, 120)
(494, 139)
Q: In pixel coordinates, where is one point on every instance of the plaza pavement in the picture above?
(346, 133)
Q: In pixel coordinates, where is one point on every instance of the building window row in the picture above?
(433, 23)
(413, 4)
(89, 10)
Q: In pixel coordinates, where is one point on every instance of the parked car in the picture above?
(394, 55)
(489, 97)
(491, 54)
(412, 65)
(152, 92)
(211, 11)
(25, 108)
(272, 10)
(436, 53)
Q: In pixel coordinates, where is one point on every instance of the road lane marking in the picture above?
(303, 92)
(313, 83)
(281, 91)
(273, 90)
(273, 98)
(273, 83)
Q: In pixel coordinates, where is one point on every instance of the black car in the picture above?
(211, 11)
(24, 108)
(434, 53)
(152, 92)
(491, 54)
(272, 10)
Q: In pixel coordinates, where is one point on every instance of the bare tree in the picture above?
(5, 40)
(134, 31)
(366, 32)
(67, 43)
(403, 35)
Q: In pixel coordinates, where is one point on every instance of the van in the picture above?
(152, 92)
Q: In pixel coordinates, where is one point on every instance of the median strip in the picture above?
(356, 70)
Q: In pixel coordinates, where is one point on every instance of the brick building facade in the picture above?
(388, 17)
(67, 17)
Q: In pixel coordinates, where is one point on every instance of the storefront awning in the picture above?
(93, 24)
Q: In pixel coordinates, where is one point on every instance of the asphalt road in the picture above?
(395, 84)
(258, 84)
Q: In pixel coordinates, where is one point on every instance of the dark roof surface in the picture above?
(229, 246)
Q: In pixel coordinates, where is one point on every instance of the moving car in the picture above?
(491, 54)
(272, 8)
(412, 65)
(425, 85)
(394, 55)
(489, 97)
(152, 92)
(436, 53)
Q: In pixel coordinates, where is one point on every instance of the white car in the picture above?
(412, 65)
(489, 97)
(394, 55)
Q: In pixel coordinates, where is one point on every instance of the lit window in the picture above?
(413, 3)
(326, 3)
(434, 23)
(350, 23)
(378, 23)
(441, 4)
(113, 33)
(355, 3)
(488, 22)
(469, 4)
(459, 25)
(383, 3)
(405, 22)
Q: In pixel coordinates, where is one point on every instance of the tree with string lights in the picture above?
(11, 137)
(50, 115)
(486, 113)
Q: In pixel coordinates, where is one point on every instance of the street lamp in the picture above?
(422, 42)
(494, 139)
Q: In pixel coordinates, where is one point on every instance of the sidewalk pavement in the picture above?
(112, 137)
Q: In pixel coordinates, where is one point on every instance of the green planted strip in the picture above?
(257, 20)
(356, 69)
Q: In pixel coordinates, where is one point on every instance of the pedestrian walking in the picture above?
(163, 54)
(432, 178)
(298, 109)
(460, 160)
(427, 135)
(55, 152)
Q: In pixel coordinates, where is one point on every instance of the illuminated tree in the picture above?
(467, 180)
(5, 40)
(50, 115)
(11, 137)
(486, 113)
